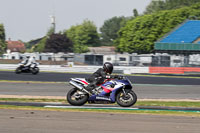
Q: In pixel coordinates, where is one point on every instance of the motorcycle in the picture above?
(111, 91)
(27, 69)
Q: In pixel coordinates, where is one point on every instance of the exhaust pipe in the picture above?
(76, 85)
(79, 87)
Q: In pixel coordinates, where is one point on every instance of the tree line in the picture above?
(139, 34)
(2, 39)
(159, 5)
(136, 33)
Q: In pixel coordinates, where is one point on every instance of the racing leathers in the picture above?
(28, 61)
(98, 77)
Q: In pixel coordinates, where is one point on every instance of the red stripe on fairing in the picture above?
(84, 82)
(105, 89)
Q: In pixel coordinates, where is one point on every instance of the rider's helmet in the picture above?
(108, 67)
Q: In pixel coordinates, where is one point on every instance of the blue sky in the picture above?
(30, 19)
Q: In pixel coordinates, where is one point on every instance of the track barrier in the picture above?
(174, 70)
(117, 69)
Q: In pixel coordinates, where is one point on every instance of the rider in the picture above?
(25, 60)
(100, 75)
(28, 61)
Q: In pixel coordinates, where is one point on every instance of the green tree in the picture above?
(39, 47)
(135, 13)
(158, 5)
(58, 43)
(2, 39)
(50, 31)
(110, 29)
(83, 35)
(139, 34)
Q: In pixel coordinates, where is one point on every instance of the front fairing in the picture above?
(118, 83)
(110, 89)
(113, 86)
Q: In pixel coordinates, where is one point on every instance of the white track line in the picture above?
(84, 107)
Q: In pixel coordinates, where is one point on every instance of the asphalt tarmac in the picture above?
(31, 121)
(27, 121)
(65, 77)
(143, 91)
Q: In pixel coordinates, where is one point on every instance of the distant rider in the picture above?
(28, 61)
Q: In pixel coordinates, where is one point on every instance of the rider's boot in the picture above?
(91, 88)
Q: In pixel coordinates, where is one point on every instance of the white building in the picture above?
(117, 59)
(176, 60)
(13, 56)
(194, 59)
(126, 59)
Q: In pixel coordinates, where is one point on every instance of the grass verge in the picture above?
(148, 112)
(99, 110)
(169, 103)
(31, 100)
(139, 103)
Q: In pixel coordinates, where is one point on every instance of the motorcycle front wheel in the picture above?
(76, 97)
(126, 100)
(35, 70)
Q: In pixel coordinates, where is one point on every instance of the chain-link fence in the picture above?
(162, 61)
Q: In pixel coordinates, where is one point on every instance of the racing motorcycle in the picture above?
(111, 91)
(33, 68)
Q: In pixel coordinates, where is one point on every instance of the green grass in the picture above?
(148, 112)
(169, 103)
(32, 82)
(7, 70)
(99, 110)
(139, 103)
(31, 100)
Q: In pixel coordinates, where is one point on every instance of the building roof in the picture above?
(185, 38)
(15, 46)
(102, 50)
(188, 32)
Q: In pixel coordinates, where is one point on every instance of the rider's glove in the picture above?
(119, 76)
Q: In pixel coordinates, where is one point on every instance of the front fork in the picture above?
(123, 89)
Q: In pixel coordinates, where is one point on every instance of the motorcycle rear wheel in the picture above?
(18, 70)
(126, 100)
(76, 99)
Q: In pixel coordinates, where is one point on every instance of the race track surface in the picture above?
(65, 77)
(32, 121)
(146, 87)
(143, 91)
(21, 121)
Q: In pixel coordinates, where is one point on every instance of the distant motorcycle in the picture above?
(33, 68)
(111, 91)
